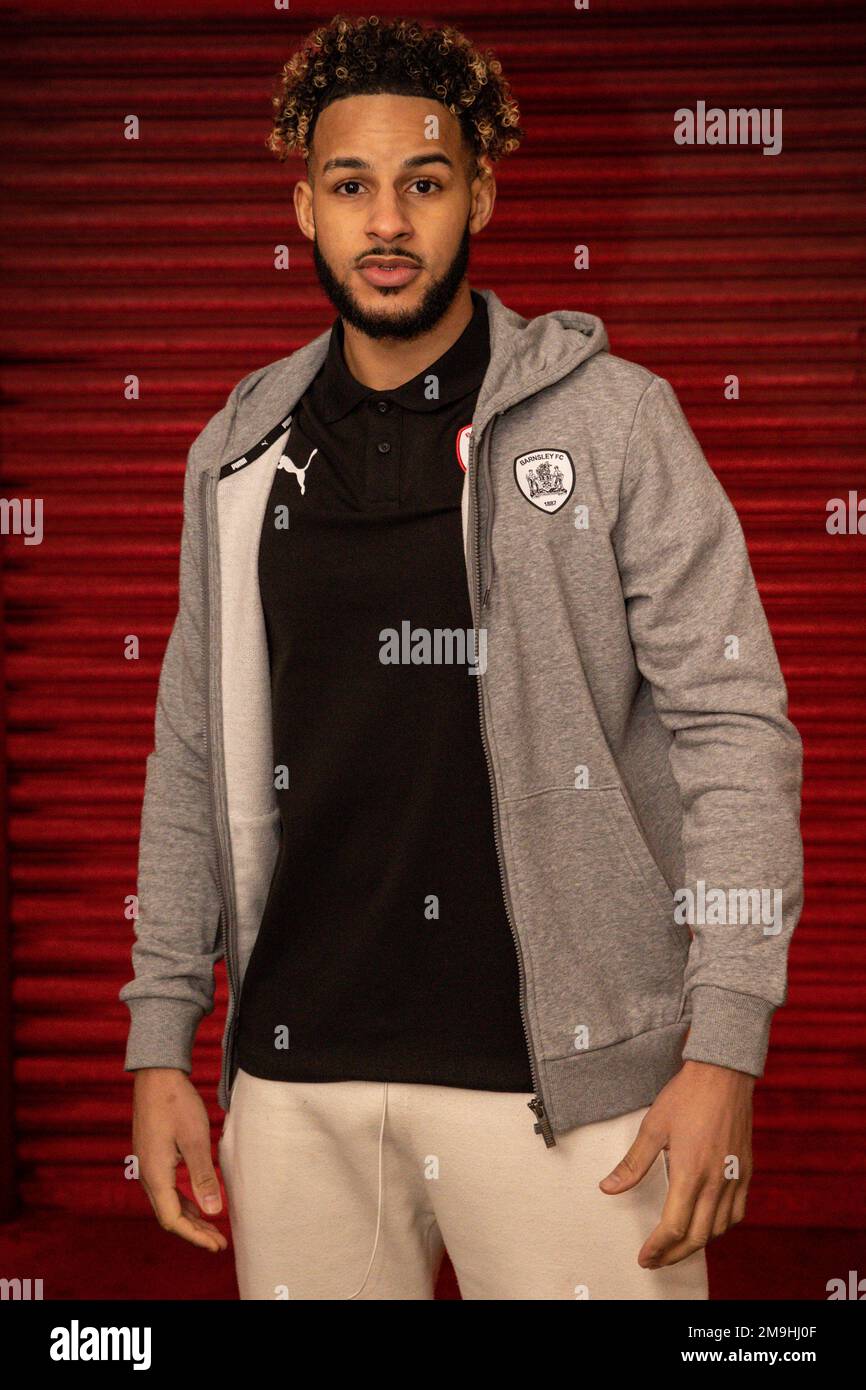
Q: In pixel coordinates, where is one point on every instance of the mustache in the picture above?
(384, 255)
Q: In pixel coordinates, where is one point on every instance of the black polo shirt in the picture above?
(384, 952)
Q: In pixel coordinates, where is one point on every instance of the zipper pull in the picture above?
(486, 597)
(543, 1127)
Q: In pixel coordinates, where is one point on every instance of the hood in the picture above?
(529, 354)
(526, 355)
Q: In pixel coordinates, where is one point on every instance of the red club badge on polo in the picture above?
(545, 477)
(464, 434)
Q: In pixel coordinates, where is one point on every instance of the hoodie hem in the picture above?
(591, 1086)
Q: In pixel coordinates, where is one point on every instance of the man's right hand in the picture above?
(170, 1124)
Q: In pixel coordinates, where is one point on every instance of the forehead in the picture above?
(384, 127)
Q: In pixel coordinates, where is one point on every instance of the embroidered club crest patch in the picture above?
(545, 477)
(462, 446)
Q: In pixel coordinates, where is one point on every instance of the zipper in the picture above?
(536, 1105)
(226, 914)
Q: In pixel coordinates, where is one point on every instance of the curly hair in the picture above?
(354, 56)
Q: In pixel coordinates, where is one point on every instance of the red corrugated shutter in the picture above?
(154, 258)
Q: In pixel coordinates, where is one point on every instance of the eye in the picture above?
(431, 182)
(347, 183)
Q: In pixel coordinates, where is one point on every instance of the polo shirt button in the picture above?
(384, 447)
(383, 406)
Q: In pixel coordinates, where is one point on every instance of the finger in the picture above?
(724, 1209)
(635, 1164)
(676, 1217)
(203, 1179)
(163, 1198)
(699, 1229)
(189, 1226)
(166, 1203)
(197, 1232)
(190, 1212)
(738, 1210)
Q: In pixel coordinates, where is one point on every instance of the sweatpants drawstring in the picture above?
(379, 1202)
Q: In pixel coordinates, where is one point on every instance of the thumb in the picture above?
(634, 1165)
(203, 1179)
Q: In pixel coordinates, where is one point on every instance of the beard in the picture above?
(408, 323)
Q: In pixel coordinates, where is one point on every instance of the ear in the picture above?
(302, 197)
(483, 193)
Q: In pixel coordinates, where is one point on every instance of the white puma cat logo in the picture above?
(300, 473)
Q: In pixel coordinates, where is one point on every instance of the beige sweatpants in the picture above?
(353, 1189)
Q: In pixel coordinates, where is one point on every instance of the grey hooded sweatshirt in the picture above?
(644, 775)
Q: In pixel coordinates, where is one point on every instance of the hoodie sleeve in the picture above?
(178, 925)
(702, 641)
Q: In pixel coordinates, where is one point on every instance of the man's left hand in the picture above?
(703, 1118)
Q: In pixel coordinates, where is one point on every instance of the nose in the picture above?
(388, 222)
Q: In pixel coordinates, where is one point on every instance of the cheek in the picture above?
(340, 238)
(446, 221)
(439, 231)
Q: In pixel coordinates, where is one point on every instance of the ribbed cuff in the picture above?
(729, 1029)
(161, 1033)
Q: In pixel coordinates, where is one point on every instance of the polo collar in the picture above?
(459, 370)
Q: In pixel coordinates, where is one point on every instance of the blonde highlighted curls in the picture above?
(351, 56)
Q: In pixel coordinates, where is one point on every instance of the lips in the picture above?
(388, 270)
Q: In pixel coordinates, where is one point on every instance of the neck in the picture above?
(386, 363)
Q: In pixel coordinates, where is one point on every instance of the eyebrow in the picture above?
(413, 162)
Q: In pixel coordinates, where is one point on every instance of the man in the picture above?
(472, 758)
